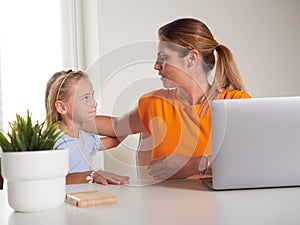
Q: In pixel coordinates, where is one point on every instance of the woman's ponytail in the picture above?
(227, 74)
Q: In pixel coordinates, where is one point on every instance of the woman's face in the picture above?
(171, 66)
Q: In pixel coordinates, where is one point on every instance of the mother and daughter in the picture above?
(174, 122)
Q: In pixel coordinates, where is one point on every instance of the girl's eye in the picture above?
(88, 97)
(85, 97)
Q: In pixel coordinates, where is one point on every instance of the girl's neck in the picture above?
(71, 130)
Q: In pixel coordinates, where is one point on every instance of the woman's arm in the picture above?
(102, 125)
(174, 167)
(110, 142)
(130, 123)
(144, 154)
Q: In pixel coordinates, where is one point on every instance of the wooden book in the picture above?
(90, 198)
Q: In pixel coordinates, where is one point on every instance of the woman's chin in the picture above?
(168, 85)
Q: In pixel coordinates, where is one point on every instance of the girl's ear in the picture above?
(61, 107)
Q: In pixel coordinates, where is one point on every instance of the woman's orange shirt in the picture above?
(175, 127)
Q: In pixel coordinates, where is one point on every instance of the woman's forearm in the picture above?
(122, 126)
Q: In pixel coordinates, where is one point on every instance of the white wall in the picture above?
(262, 34)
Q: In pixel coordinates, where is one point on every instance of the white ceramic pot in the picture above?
(36, 180)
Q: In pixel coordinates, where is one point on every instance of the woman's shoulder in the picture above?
(160, 93)
(232, 94)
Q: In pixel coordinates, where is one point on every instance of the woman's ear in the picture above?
(193, 57)
(61, 107)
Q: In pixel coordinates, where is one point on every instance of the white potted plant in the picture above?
(35, 172)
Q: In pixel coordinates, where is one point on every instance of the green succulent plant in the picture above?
(28, 136)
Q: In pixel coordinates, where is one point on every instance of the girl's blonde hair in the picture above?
(58, 88)
(192, 34)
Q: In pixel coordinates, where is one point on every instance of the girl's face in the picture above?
(171, 67)
(82, 105)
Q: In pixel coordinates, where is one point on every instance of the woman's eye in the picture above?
(162, 58)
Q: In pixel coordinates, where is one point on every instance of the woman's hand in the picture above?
(172, 167)
(104, 177)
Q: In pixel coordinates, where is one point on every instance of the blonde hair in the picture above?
(192, 34)
(58, 88)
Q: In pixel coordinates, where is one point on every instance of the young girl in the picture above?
(70, 99)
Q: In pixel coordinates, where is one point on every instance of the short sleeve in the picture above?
(61, 142)
(143, 107)
(235, 94)
(96, 144)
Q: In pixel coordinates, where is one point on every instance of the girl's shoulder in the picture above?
(84, 135)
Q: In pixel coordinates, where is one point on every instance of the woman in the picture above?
(175, 121)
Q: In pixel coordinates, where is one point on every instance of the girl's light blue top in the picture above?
(81, 150)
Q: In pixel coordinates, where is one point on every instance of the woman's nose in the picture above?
(157, 65)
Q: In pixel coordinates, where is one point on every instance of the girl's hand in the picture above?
(104, 177)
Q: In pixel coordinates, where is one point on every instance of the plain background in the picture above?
(262, 34)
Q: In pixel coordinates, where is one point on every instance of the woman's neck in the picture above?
(194, 94)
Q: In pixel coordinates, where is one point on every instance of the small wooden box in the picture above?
(90, 198)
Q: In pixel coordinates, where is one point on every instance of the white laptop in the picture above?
(255, 143)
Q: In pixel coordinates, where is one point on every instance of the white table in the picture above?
(184, 202)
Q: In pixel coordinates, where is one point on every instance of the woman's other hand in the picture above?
(172, 167)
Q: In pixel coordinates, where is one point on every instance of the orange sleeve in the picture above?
(143, 104)
(234, 94)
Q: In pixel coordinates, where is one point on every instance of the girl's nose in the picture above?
(95, 104)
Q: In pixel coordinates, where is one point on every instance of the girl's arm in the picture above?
(77, 178)
(100, 176)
